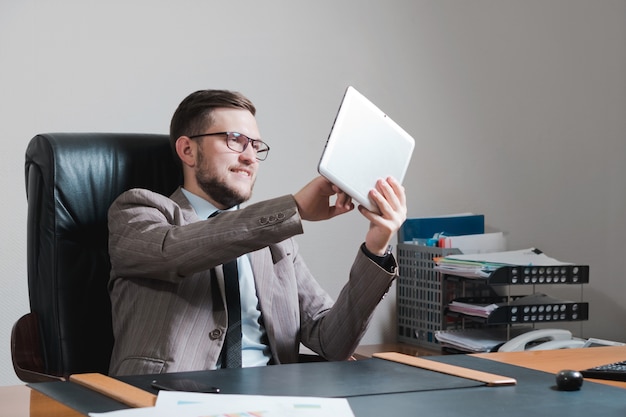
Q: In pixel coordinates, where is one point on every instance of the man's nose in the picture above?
(249, 154)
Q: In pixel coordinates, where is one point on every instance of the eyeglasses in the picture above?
(239, 142)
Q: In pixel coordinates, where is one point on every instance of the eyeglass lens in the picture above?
(238, 143)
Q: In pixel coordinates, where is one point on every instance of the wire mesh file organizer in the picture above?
(426, 296)
(419, 294)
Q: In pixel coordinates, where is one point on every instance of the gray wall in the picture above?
(518, 108)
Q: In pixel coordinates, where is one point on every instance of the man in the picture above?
(169, 256)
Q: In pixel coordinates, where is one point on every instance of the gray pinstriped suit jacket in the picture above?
(165, 317)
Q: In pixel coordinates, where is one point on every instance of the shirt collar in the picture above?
(202, 207)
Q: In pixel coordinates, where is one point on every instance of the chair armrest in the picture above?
(26, 351)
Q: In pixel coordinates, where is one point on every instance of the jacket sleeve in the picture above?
(153, 236)
(334, 332)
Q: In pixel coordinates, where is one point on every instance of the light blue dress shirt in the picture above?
(254, 351)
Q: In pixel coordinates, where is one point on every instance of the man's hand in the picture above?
(390, 198)
(314, 204)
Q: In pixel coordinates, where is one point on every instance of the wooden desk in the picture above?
(557, 360)
(542, 360)
(21, 401)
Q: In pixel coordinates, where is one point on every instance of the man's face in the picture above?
(227, 176)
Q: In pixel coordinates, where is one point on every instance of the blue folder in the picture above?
(426, 227)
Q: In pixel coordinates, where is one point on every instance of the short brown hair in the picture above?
(194, 112)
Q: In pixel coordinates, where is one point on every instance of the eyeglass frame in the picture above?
(265, 152)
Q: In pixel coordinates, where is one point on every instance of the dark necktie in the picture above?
(231, 352)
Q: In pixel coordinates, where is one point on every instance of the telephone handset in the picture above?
(542, 339)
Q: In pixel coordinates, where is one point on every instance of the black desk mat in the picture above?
(318, 379)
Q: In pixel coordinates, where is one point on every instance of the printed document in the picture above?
(190, 404)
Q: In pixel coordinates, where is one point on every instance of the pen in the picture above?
(188, 388)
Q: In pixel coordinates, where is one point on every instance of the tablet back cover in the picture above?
(364, 145)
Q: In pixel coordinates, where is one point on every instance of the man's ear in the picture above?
(186, 150)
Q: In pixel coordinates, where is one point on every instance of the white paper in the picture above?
(523, 257)
(478, 340)
(479, 310)
(187, 404)
(479, 243)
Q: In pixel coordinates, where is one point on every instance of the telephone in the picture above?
(542, 339)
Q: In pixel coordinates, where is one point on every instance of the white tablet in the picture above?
(364, 145)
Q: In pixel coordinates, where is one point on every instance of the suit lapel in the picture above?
(263, 277)
(189, 214)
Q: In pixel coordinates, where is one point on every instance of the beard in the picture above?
(216, 188)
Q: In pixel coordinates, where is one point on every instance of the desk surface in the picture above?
(551, 361)
(21, 401)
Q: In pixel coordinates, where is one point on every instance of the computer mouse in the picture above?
(569, 380)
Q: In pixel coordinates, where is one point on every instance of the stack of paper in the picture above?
(471, 269)
(483, 264)
(478, 340)
(477, 310)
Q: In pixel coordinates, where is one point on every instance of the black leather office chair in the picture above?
(71, 180)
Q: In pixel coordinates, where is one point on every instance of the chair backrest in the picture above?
(71, 180)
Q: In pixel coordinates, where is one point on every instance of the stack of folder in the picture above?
(465, 232)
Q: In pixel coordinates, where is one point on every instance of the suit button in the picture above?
(280, 216)
(215, 334)
(273, 219)
(263, 220)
